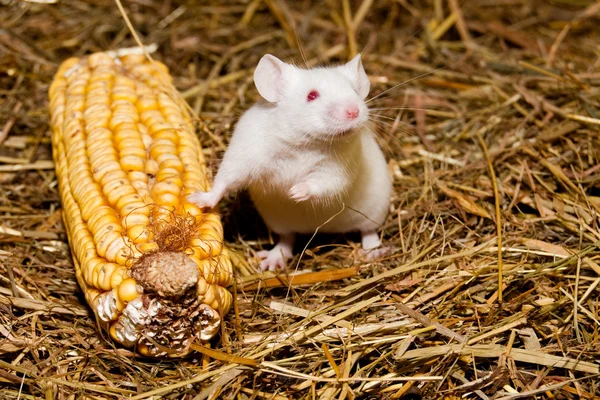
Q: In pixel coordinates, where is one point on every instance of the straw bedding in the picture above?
(488, 113)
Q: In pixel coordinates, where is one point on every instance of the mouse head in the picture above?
(319, 102)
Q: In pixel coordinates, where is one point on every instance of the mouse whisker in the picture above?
(301, 47)
(380, 125)
(396, 125)
(405, 108)
(383, 116)
(380, 134)
(387, 129)
(391, 98)
(406, 82)
(396, 120)
(396, 52)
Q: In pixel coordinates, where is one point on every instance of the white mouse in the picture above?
(306, 154)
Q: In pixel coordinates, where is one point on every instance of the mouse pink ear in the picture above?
(268, 77)
(355, 71)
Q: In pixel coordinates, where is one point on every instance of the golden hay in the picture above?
(489, 114)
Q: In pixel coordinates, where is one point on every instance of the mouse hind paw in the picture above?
(271, 261)
(375, 254)
(371, 247)
(278, 256)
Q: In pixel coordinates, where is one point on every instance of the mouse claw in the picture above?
(203, 199)
(262, 254)
(269, 264)
(300, 192)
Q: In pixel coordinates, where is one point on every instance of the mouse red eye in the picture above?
(312, 95)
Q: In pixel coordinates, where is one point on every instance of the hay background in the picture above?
(521, 75)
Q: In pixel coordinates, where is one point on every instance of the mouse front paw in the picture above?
(203, 199)
(300, 192)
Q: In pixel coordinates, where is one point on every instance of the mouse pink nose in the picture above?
(352, 112)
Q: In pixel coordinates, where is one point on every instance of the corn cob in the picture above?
(151, 265)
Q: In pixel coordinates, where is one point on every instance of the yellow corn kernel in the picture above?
(127, 290)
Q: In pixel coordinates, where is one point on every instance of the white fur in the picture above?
(302, 161)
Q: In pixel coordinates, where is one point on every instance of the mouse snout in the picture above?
(352, 111)
(345, 112)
